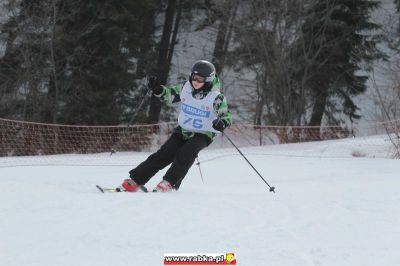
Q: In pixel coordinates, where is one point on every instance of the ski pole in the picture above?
(201, 174)
(135, 114)
(271, 189)
(140, 104)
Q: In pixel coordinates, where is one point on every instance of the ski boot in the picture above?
(163, 186)
(130, 186)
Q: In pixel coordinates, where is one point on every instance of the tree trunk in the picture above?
(146, 47)
(54, 103)
(163, 63)
(174, 35)
(259, 109)
(223, 36)
(318, 109)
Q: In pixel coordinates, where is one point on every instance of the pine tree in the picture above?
(74, 61)
(25, 68)
(101, 39)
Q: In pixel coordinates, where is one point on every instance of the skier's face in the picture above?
(198, 81)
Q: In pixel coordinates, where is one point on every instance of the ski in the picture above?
(106, 190)
(113, 190)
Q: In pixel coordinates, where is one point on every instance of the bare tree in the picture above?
(387, 98)
(224, 12)
(264, 31)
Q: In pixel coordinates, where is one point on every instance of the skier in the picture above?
(203, 114)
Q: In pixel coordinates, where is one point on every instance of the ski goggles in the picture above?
(198, 78)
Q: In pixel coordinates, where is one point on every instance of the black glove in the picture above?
(218, 124)
(154, 85)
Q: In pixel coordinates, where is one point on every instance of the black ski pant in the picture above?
(181, 153)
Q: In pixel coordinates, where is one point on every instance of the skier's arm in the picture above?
(169, 94)
(221, 107)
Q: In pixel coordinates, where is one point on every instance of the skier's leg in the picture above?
(157, 161)
(184, 159)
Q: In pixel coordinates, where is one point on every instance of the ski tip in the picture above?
(102, 191)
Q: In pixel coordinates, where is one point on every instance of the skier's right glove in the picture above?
(154, 85)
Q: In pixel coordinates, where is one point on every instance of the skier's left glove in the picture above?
(218, 124)
(154, 85)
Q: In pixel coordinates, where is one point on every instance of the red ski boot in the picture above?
(130, 186)
(163, 186)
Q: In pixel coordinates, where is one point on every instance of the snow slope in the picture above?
(327, 211)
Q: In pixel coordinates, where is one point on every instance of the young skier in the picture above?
(203, 114)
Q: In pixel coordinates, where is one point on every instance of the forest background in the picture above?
(288, 62)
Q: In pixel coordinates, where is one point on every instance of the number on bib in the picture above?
(196, 123)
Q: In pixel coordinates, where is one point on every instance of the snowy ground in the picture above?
(327, 211)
